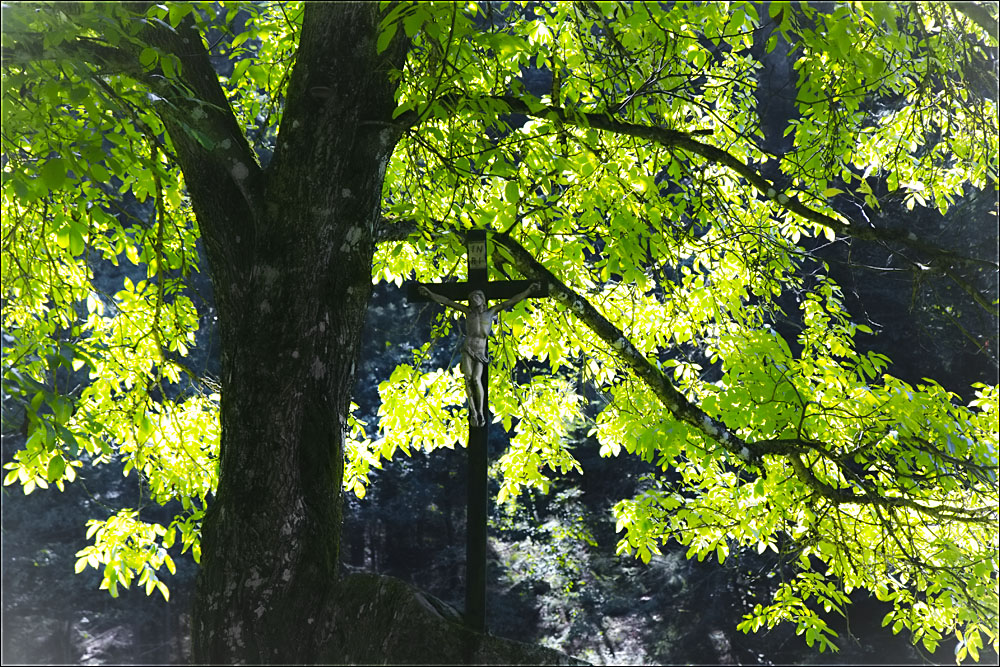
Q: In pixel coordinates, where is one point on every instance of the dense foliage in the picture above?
(642, 187)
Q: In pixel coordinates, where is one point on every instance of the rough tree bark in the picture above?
(290, 249)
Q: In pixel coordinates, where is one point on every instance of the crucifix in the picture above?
(478, 290)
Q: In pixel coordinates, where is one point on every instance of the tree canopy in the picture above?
(616, 151)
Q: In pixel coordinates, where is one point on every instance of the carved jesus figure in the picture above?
(478, 325)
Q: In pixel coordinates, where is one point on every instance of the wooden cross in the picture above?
(477, 500)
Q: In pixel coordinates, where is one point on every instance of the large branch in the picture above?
(714, 430)
(221, 172)
(686, 141)
(682, 409)
(676, 139)
(673, 400)
(219, 167)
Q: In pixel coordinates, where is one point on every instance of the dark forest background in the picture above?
(554, 578)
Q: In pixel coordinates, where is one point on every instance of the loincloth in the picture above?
(480, 356)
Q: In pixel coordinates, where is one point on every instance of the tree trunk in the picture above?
(293, 278)
(290, 252)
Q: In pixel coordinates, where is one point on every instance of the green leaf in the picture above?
(56, 467)
(148, 57)
(77, 244)
(53, 173)
(164, 591)
(144, 428)
(21, 189)
(240, 69)
(258, 75)
(385, 37)
(98, 173)
(169, 67)
(178, 10)
(512, 192)
(61, 408)
(132, 254)
(69, 439)
(413, 22)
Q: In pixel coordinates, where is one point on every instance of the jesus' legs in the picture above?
(474, 392)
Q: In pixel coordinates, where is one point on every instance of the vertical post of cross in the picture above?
(477, 499)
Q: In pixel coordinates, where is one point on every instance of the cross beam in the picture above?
(477, 499)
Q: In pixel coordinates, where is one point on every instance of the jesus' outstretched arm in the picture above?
(532, 288)
(443, 300)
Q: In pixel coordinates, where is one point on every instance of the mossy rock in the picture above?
(381, 620)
